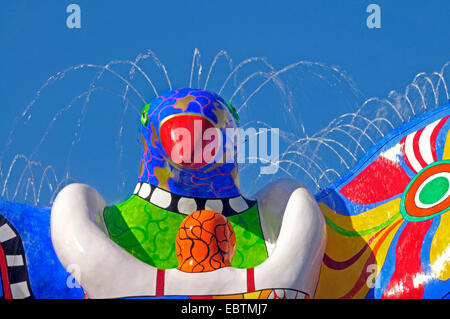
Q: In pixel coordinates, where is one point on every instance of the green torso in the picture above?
(148, 233)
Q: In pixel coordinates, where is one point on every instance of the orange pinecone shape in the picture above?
(205, 242)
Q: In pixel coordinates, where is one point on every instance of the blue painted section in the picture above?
(210, 181)
(332, 197)
(47, 276)
(1, 286)
(434, 287)
(388, 268)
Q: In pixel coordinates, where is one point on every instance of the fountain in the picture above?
(329, 162)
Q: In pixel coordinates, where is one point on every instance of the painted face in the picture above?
(186, 149)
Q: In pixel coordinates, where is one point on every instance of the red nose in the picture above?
(184, 140)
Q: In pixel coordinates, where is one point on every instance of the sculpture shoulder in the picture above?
(273, 201)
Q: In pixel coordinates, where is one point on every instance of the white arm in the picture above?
(105, 270)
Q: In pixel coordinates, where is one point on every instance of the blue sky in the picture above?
(35, 42)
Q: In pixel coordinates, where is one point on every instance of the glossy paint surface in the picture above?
(30, 265)
(160, 165)
(387, 221)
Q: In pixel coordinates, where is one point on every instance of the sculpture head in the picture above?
(185, 145)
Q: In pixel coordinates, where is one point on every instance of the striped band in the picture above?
(419, 148)
(13, 268)
(187, 205)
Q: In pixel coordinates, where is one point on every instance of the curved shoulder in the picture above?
(79, 238)
(105, 270)
(272, 203)
(295, 234)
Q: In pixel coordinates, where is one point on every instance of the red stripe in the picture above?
(407, 264)
(405, 157)
(4, 273)
(416, 149)
(434, 136)
(379, 181)
(250, 280)
(160, 282)
(362, 280)
(339, 265)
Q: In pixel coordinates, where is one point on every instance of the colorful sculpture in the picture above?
(205, 242)
(387, 221)
(29, 267)
(188, 232)
(264, 247)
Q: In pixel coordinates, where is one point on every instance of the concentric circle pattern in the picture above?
(428, 194)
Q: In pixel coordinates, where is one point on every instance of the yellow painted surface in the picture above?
(337, 283)
(446, 155)
(440, 249)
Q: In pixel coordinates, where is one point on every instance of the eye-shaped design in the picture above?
(144, 114)
(428, 194)
(433, 191)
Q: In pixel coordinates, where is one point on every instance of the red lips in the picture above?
(187, 140)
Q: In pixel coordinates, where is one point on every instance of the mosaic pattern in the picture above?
(187, 205)
(145, 231)
(205, 242)
(14, 278)
(387, 221)
(146, 225)
(149, 232)
(211, 181)
(29, 267)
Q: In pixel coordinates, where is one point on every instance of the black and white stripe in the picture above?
(187, 205)
(12, 247)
